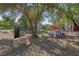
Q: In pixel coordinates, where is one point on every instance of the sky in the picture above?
(44, 22)
(0, 18)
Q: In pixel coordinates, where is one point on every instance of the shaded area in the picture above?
(43, 46)
(53, 46)
(6, 48)
(6, 42)
(16, 51)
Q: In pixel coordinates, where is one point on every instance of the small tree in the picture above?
(33, 13)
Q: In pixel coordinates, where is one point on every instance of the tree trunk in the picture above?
(34, 34)
(33, 29)
(76, 26)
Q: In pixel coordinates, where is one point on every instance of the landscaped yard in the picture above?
(47, 29)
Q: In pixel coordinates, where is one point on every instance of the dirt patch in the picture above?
(45, 46)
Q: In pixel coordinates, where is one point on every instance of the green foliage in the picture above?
(65, 14)
(33, 14)
(5, 25)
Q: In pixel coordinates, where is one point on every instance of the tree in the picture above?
(71, 13)
(33, 14)
(66, 13)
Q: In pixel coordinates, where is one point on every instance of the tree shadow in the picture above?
(50, 45)
(6, 42)
(46, 45)
(53, 48)
(11, 51)
(71, 37)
